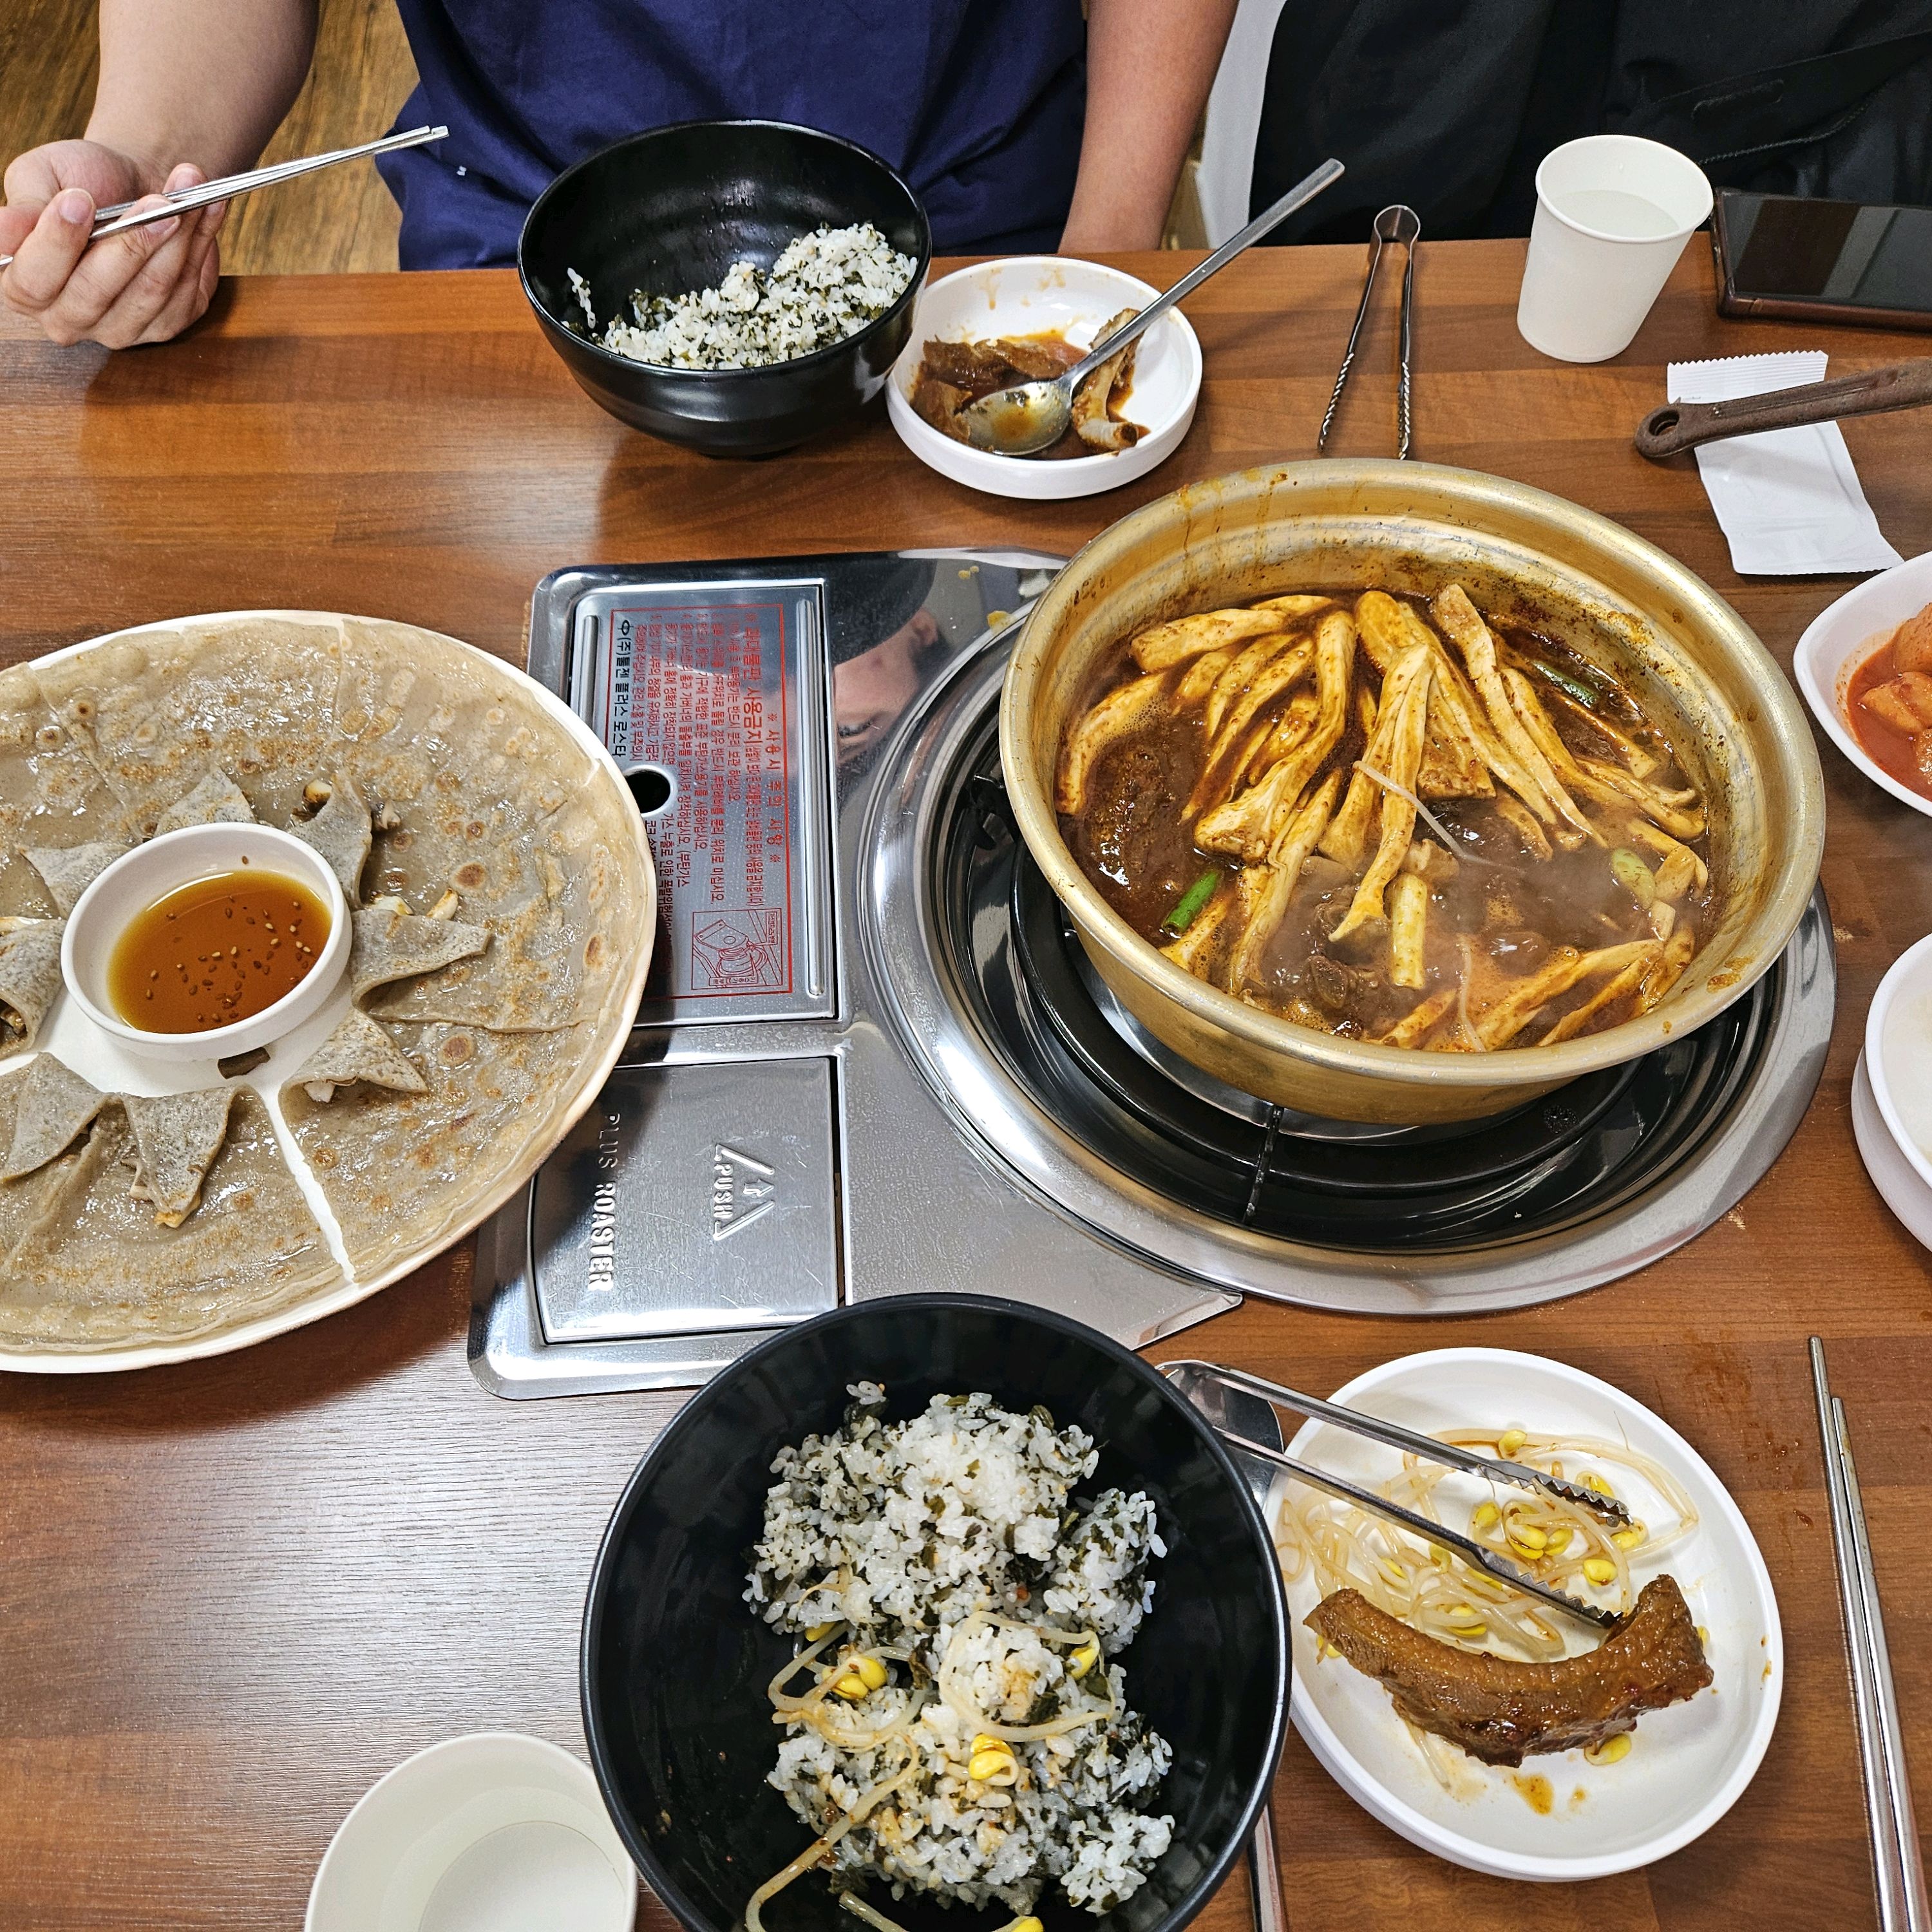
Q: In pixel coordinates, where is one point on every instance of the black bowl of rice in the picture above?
(736, 286)
(1000, 1638)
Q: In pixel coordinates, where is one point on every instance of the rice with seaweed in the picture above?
(955, 1724)
(825, 286)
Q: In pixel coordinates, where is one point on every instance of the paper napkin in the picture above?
(1788, 499)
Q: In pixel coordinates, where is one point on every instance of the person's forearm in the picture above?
(205, 81)
(1150, 63)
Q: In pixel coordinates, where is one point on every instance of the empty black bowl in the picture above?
(669, 211)
(675, 1664)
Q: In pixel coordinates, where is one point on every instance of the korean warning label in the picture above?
(700, 691)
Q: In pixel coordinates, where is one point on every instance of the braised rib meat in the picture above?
(1502, 1712)
(1093, 420)
(952, 374)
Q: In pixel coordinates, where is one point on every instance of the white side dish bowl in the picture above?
(1032, 294)
(1687, 1765)
(1898, 1055)
(1897, 1180)
(1840, 638)
(149, 872)
(495, 1832)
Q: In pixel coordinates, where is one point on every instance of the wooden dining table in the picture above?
(233, 1592)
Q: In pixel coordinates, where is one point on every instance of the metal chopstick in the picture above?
(120, 216)
(1399, 223)
(1899, 1871)
(1266, 222)
(1393, 1435)
(112, 220)
(1438, 1534)
(1891, 1729)
(1270, 1915)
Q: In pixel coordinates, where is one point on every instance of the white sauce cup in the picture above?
(137, 879)
(1612, 214)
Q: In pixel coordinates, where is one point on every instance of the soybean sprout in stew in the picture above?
(1388, 819)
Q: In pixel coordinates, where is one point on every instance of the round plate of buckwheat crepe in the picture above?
(504, 905)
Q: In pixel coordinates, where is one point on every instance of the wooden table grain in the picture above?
(232, 1594)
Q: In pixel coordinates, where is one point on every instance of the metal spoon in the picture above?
(1234, 1411)
(1029, 417)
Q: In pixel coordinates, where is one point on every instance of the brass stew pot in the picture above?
(1685, 655)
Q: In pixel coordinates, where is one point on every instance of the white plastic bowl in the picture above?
(1891, 1172)
(1029, 295)
(149, 872)
(495, 1832)
(1840, 638)
(1898, 1054)
(1688, 1764)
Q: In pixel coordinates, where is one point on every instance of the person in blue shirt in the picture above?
(1021, 125)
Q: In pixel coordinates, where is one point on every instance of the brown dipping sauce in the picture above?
(952, 374)
(1134, 841)
(216, 951)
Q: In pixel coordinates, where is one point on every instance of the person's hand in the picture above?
(143, 285)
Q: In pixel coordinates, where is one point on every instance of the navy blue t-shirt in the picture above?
(977, 103)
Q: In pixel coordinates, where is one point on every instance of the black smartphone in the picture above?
(1822, 261)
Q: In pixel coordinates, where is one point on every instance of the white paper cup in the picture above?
(1612, 214)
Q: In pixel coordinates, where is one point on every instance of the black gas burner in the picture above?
(1571, 1156)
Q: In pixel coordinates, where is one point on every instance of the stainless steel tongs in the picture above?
(1400, 224)
(1197, 1380)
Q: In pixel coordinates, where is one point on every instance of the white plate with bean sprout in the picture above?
(1564, 1815)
